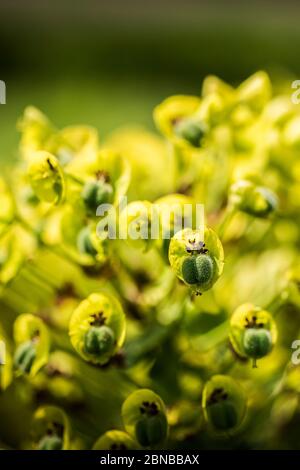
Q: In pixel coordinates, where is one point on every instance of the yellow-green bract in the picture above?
(253, 331)
(31, 334)
(144, 418)
(97, 311)
(115, 440)
(51, 429)
(188, 243)
(224, 404)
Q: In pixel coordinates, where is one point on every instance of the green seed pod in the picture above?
(151, 430)
(95, 193)
(85, 243)
(255, 200)
(46, 177)
(224, 404)
(99, 340)
(197, 259)
(191, 130)
(257, 342)
(79, 239)
(253, 332)
(24, 356)
(115, 440)
(97, 328)
(33, 344)
(51, 429)
(144, 418)
(197, 269)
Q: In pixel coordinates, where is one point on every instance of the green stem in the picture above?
(227, 218)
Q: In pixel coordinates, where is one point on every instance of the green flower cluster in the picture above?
(178, 340)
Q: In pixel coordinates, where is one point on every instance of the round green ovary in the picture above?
(197, 269)
(191, 130)
(222, 415)
(151, 430)
(99, 340)
(257, 342)
(24, 356)
(51, 442)
(95, 193)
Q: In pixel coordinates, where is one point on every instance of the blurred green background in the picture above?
(108, 63)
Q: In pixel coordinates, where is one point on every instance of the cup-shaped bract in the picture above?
(139, 224)
(51, 429)
(13, 252)
(115, 440)
(253, 332)
(97, 328)
(175, 211)
(171, 112)
(32, 340)
(80, 238)
(46, 177)
(247, 196)
(144, 418)
(224, 405)
(197, 258)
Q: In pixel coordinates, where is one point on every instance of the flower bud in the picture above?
(252, 332)
(144, 418)
(97, 328)
(224, 404)
(115, 440)
(46, 177)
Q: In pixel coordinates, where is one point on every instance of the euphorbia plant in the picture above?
(234, 151)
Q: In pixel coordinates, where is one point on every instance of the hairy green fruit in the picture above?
(257, 342)
(197, 269)
(95, 193)
(24, 356)
(150, 430)
(223, 415)
(99, 340)
(50, 442)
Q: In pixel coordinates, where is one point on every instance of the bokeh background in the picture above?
(108, 63)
